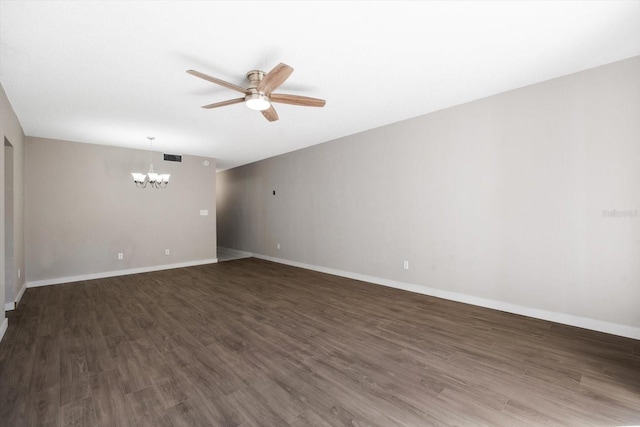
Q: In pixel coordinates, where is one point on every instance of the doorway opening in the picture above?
(9, 257)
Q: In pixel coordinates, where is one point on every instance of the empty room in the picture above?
(426, 213)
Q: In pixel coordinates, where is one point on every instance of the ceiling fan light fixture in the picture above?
(257, 101)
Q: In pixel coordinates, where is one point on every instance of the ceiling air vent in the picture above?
(173, 157)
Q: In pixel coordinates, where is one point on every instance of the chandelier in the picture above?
(155, 180)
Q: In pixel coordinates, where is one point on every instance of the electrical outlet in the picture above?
(120, 255)
(405, 265)
(278, 246)
(167, 252)
(18, 273)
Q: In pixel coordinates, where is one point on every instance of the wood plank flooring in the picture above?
(253, 343)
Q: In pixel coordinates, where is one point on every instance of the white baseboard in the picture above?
(235, 251)
(8, 306)
(19, 297)
(114, 273)
(3, 327)
(566, 319)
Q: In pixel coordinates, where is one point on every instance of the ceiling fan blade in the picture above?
(223, 103)
(274, 78)
(217, 81)
(304, 101)
(270, 114)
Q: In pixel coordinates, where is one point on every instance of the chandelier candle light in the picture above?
(156, 180)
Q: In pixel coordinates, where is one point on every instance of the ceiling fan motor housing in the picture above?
(256, 100)
(255, 77)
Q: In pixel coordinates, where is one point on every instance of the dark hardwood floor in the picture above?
(253, 343)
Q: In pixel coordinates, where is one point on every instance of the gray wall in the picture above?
(82, 208)
(500, 199)
(11, 132)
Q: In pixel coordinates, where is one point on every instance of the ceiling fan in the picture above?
(259, 95)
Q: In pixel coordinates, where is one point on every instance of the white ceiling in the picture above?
(114, 72)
